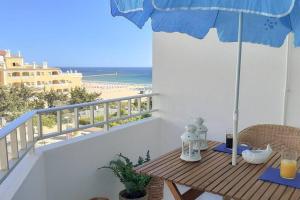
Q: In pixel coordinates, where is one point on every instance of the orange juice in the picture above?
(288, 168)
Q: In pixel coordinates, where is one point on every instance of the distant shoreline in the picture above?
(110, 90)
(115, 75)
(117, 83)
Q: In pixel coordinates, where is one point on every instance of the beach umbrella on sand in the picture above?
(266, 22)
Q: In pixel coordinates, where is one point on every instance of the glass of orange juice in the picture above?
(288, 164)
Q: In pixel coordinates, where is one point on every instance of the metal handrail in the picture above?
(22, 137)
(93, 103)
(6, 130)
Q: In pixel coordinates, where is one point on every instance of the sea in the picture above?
(122, 75)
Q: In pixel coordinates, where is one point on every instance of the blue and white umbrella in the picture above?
(266, 22)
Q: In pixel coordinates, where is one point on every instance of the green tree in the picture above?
(80, 95)
(51, 97)
(37, 101)
(14, 101)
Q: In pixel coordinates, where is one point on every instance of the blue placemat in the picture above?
(273, 175)
(222, 148)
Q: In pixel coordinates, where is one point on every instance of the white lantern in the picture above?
(190, 144)
(202, 132)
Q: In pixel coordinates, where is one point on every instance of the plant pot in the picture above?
(123, 192)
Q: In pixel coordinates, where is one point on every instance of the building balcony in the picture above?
(41, 163)
(26, 74)
(191, 84)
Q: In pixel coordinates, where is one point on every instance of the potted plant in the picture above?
(135, 184)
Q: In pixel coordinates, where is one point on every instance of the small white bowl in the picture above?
(257, 156)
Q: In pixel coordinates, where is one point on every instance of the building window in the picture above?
(38, 73)
(14, 64)
(16, 74)
(55, 73)
(55, 82)
(25, 74)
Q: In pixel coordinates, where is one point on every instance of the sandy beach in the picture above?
(114, 90)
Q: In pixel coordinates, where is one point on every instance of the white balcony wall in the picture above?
(68, 170)
(27, 181)
(197, 77)
(293, 89)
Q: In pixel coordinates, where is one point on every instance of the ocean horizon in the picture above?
(122, 75)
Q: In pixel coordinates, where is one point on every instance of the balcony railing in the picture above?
(18, 137)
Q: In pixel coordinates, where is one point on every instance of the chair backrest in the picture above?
(280, 137)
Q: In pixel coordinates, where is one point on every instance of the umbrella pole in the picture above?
(237, 90)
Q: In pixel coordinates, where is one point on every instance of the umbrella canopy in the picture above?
(266, 22)
(271, 8)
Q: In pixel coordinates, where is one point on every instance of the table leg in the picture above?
(191, 194)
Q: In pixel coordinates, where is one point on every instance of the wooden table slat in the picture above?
(288, 193)
(278, 192)
(269, 191)
(171, 162)
(224, 180)
(246, 178)
(164, 159)
(296, 195)
(188, 169)
(183, 167)
(212, 175)
(248, 182)
(182, 178)
(190, 180)
(226, 170)
(177, 168)
(263, 185)
(156, 162)
(215, 174)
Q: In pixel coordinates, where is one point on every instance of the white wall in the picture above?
(26, 181)
(71, 170)
(196, 78)
(293, 86)
(68, 170)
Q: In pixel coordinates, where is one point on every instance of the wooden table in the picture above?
(215, 174)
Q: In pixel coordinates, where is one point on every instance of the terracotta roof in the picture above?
(2, 53)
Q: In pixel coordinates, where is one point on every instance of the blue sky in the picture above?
(73, 33)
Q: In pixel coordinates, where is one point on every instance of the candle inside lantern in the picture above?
(288, 165)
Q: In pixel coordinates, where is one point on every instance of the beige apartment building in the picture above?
(14, 72)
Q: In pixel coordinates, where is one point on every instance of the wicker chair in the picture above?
(280, 137)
